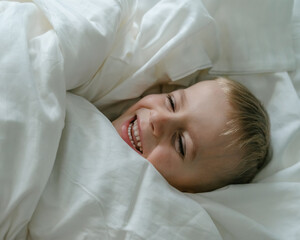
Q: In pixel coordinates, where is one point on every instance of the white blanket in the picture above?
(64, 171)
(103, 190)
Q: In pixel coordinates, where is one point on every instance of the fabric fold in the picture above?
(32, 110)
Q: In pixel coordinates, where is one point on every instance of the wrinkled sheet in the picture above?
(32, 105)
(66, 174)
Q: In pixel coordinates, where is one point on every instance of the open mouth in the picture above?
(134, 135)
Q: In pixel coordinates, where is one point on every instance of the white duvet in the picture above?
(64, 171)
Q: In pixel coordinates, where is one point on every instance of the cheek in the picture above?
(145, 102)
(163, 160)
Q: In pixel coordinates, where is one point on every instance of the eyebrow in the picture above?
(184, 103)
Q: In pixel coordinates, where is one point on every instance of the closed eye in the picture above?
(180, 145)
(171, 101)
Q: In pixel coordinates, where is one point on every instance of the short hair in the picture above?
(249, 124)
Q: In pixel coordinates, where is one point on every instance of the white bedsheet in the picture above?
(66, 174)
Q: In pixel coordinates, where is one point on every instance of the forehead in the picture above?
(209, 93)
(208, 110)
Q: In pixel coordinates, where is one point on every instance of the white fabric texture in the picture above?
(32, 98)
(111, 45)
(250, 33)
(64, 171)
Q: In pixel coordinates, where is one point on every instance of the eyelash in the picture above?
(171, 101)
(181, 148)
(179, 138)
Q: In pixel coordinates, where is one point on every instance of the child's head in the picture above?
(250, 127)
(204, 137)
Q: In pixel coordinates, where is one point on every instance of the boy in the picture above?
(207, 136)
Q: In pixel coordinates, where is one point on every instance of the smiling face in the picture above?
(180, 134)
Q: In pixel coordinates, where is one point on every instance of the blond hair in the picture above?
(249, 125)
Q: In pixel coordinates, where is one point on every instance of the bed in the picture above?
(64, 171)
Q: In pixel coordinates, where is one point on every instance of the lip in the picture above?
(140, 133)
(124, 133)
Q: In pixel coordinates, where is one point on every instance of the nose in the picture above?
(162, 123)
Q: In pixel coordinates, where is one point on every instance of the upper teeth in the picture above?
(136, 134)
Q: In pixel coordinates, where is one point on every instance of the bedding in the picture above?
(115, 192)
(66, 174)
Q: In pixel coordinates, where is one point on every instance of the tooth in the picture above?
(133, 126)
(129, 131)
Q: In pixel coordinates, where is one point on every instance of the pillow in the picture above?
(254, 36)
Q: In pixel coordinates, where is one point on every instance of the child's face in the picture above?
(179, 134)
